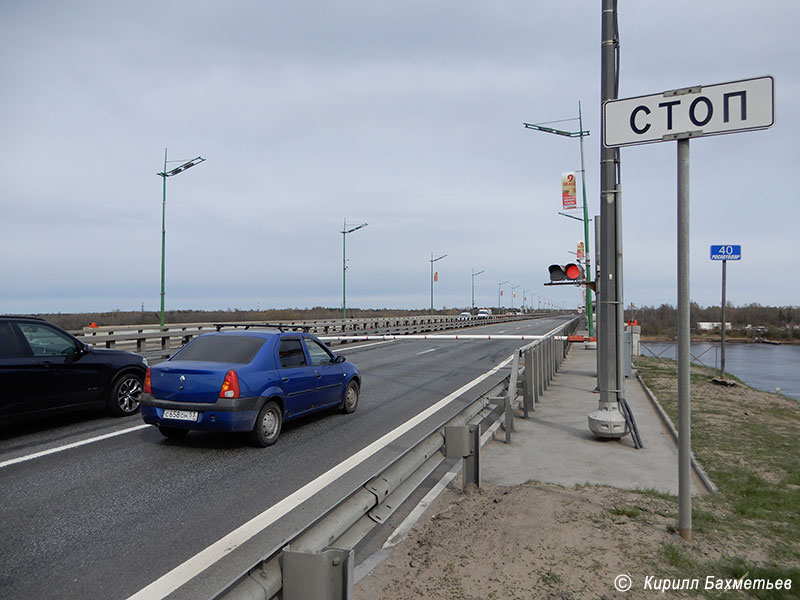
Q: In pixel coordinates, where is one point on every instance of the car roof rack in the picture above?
(282, 327)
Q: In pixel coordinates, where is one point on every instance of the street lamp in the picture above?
(579, 134)
(513, 287)
(474, 274)
(345, 231)
(500, 292)
(164, 174)
(433, 260)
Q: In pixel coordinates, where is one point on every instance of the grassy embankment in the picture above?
(747, 441)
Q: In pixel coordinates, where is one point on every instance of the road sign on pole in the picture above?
(724, 252)
(736, 106)
(690, 112)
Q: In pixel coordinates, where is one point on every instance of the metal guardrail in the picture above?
(154, 343)
(318, 563)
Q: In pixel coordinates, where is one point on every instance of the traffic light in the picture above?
(571, 272)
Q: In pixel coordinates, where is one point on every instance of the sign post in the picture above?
(724, 252)
(691, 112)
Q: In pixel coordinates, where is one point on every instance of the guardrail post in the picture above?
(325, 575)
(464, 441)
(528, 397)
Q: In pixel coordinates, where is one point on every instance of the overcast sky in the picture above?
(405, 115)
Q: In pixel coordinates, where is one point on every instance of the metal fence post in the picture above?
(464, 441)
(528, 401)
(326, 575)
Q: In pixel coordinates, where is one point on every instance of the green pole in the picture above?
(344, 272)
(163, 233)
(431, 283)
(589, 310)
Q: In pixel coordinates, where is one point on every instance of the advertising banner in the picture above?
(568, 191)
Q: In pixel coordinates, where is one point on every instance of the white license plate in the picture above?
(181, 415)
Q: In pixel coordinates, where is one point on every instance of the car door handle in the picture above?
(318, 375)
(284, 379)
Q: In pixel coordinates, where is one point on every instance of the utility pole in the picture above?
(588, 271)
(608, 421)
(433, 260)
(500, 293)
(474, 274)
(345, 231)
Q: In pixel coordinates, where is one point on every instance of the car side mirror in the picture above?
(339, 359)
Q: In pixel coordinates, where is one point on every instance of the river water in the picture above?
(762, 366)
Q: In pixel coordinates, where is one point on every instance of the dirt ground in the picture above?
(528, 541)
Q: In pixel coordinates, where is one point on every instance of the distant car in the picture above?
(464, 315)
(44, 370)
(249, 380)
(484, 313)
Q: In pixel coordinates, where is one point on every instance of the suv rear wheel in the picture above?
(125, 394)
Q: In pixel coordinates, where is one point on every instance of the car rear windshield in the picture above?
(222, 348)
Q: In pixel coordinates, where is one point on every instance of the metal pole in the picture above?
(684, 372)
(724, 283)
(344, 271)
(431, 283)
(500, 292)
(589, 311)
(433, 260)
(163, 234)
(608, 421)
(471, 306)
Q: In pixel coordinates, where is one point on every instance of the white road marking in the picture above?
(181, 574)
(426, 351)
(99, 438)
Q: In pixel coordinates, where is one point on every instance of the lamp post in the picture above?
(513, 287)
(500, 292)
(524, 298)
(579, 134)
(164, 174)
(433, 260)
(345, 231)
(474, 274)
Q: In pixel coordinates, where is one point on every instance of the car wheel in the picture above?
(350, 399)
(125, 395)
(172, 433)
(268, 425)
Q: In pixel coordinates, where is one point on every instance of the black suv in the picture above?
(44, 370)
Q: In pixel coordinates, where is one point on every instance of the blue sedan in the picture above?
(247, 380)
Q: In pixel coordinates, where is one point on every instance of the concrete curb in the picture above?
(701, 474)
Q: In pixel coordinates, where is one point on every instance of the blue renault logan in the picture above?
(248, 380)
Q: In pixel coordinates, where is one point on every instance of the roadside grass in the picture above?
(747, 441)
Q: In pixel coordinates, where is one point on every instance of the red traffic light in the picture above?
(568, 272)
(573, 271)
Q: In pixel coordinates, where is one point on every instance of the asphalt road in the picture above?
(106, 518)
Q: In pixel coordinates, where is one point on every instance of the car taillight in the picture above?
(230, 387)
(147, 389)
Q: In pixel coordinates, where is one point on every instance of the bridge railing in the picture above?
(319, 561)
(156, 344)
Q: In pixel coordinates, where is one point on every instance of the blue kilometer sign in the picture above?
(726, 252)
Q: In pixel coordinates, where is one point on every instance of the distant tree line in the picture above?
(748, 321)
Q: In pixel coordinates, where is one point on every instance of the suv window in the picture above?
(234, 349)
(46, 341)
(291, 354)
(319, 355)
(9, 343)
